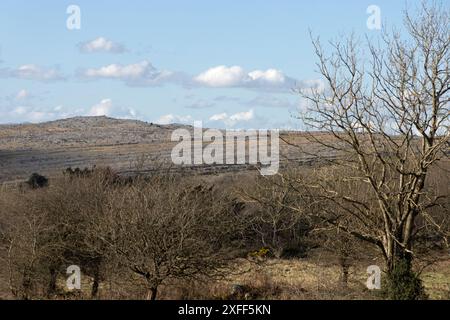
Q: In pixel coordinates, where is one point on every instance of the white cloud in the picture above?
(220, 120)
(242, 116)
(234, 118)
(101, 44)
(219, 117)
(32, 72)
(141, 73)
(106, 108)
(221, 76)
(270, 76)
(30, 113)
(172, 118)
(145, 74)
(228, 77)
(24, 107)
(121, 71)
(27, 113)
(313, 85)
(101, 109)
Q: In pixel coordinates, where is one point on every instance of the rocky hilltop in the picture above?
(124, 145)
(49, 148)
(82, 132)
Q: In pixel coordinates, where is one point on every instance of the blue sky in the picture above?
(227, 63)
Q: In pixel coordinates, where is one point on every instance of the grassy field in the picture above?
(305, 279)
(314, 278)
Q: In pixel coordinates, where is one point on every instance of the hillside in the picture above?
(50, 147)
(81, 132)
(125, 145)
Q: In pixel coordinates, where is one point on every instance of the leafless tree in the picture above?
(386, 112)
(43, 231)
(72, 203)
(26, 246)
(163, 229)
(276, 215)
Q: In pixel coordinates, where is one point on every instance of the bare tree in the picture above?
(276, 215)
(26, 244)
(72, 203)
(386, 112)
(43, 231)
(163, 229)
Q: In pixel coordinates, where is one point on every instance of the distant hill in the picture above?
(49, 148)
(82, 131)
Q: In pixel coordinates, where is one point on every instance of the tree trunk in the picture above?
(51, 290)
(344, 273)
(151, 293)
(401, 281)
(26, 287)
(95, 284)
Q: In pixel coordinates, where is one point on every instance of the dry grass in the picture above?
(436, 279)
(299, 279)
(295, 279)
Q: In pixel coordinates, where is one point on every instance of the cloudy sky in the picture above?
(228, 63)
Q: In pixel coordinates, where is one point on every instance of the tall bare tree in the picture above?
(386, 112)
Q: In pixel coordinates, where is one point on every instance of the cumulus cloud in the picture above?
(140, 74)
(242, 116)
(145, 74)
(172, 118)
(221, 76)
(235, 76)
(270, 75)
(31, 113)
(32, 72)
(118, 71)
(313, 85)
(219, 117)
(107, 108)
(220, 120)
(20, 107)
(101, 44)
(231, 120)
(101, 109)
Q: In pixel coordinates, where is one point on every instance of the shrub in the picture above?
(37, 181)
(403, 284)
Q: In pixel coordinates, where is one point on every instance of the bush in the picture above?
(37, 181)
(403, 284)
